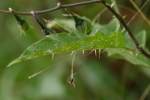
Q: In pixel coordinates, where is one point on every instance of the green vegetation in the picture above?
(49, 54)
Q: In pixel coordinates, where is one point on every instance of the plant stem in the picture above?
(57, 7)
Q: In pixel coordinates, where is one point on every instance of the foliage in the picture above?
(75, 41)
(105, 63)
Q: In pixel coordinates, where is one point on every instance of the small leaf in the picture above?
(64, 42)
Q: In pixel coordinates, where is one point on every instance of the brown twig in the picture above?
(57, 7)
(137, 13)
(140, 12)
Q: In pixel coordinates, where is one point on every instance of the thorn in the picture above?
(95, 52)
(72, 53)
(36, 74)
(83, 52)
(99, 53)
(112, 4)
(67, 15)
(52, 54)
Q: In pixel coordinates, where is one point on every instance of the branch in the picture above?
(62, 6)
(57, 7)
(135, 41)
(142, 7)
(140, 12)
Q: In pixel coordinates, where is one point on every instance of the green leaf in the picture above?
(131, 56)
(65, 42)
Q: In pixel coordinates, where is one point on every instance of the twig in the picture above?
(57, 7)
(100, 13)
(140, 12)
(142, 7)
(42, 24)
(136, 14)
(135, 41)
(62, 6)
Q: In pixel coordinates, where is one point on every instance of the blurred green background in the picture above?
(106, 78)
